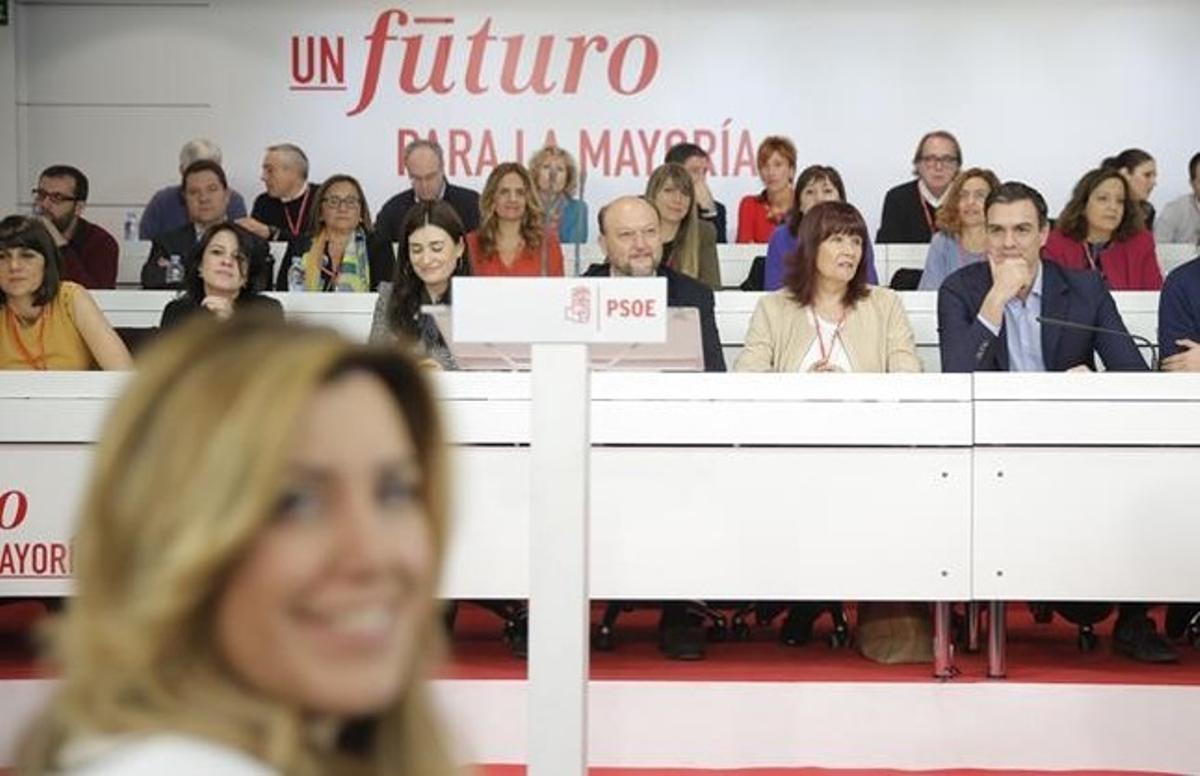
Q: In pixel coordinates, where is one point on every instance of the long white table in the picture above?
(351, 314)
(870, 487)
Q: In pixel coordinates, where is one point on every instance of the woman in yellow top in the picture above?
(49, 323)
(826, 318)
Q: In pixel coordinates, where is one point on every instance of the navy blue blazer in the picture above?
(1069, 295)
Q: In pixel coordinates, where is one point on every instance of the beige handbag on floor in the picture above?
(895, 632)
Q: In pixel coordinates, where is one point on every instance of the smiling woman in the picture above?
(431, 252)
(283, 617)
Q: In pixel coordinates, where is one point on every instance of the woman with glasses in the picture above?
(340, 251)
(217, 281)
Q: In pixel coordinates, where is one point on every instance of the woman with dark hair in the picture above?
(826, 318)
(689, 244)
(432, 250)
(49, 323)
(1140, 169)
(218, 276)
(962, 227)
(1100, 229)
(817, 183)
(759, 214)
(512, 239)
(340, 251)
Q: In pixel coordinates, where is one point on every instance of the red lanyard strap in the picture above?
(294, 227)
(37, 362)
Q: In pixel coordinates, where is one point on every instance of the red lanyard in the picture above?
(294, 227)
(837, 334)
(37, 362)
(925, 210)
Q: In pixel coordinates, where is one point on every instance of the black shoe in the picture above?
(1181, 617)
(797, 628)
(516, 633)
(682, 642)
(1137, 638)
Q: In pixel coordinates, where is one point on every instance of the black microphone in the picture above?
(1137, 338)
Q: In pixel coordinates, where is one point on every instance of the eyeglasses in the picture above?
(337, 203)
(940, 161)
(53, 196)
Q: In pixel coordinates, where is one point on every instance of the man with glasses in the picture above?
(425, 165)
(910, 209)
(89, 253)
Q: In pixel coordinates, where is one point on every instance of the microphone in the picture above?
(1136, 338)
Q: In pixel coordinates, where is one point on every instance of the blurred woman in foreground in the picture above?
(261, 603)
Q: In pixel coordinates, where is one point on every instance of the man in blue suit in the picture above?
(996, 315)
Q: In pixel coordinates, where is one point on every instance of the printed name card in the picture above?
(560, 309)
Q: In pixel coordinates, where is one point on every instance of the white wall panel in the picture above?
(128, 153)
(125, 54)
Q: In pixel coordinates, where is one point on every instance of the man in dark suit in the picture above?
(910, 209)
(632, 243)
(630, 234)
(995, 315)
(206, 195)
(425, 165)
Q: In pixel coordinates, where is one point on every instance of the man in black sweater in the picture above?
(910, 209)
(282, 212)
(425, 165)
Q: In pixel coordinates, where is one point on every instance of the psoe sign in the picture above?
(502, 310)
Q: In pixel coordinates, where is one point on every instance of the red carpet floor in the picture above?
(519, 770)
(1036, 653)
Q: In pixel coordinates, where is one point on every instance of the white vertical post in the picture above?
(558, 557)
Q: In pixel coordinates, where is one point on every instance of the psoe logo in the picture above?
(13, 507)
(459, 62)
(580, 308)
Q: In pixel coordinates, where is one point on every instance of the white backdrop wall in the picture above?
(1037, 91)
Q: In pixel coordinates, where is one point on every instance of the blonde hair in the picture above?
(544, 155)
(685, 252)
(533, 221)
(185, 476)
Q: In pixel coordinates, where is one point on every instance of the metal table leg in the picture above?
(997, 635)
(943, 647)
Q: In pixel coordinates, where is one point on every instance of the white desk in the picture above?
(731, 478)
(1083, 488)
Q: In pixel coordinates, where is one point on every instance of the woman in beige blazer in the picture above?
(826, 318)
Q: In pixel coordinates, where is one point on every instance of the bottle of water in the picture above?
(296, 275)
(175, 270)
(131, 226)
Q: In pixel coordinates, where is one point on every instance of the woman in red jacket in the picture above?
(759, 214)
(1101, 229)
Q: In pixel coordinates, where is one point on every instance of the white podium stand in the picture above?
(559, 317)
